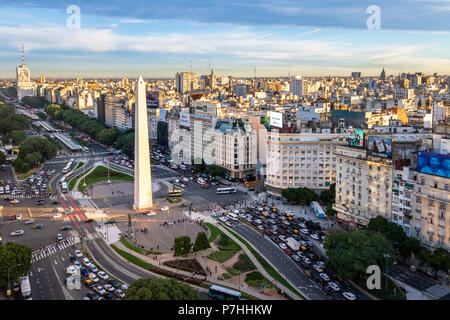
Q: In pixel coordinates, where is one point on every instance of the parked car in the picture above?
(324, 276)
(29, 221)
(119, 293)
(283, 246)
(317, 268)
(108, 287)
(349, 295)
(114, 283)
(88, 283)
(78, 254)
(102, 275)
(92, 295)
(93, 268)
(93, 277)
(100, 290)
(59, 237)
(86, 262)
(334, 286)
(38, 226)
(296, 257)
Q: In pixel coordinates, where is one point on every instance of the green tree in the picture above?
(328, 196)
(408, 247)
(108, 136)
(424, 257)
(390, 230)
(349, 254)
(20, 166)
(440, 260)
(182, 245)
(299, 195)
(330, 211)
(35, 102)
(201, 242)
(33, 159)
(17, 136)
(42, 115)
(160, 289)
(12, 254)
(126, 144)
(214, 171)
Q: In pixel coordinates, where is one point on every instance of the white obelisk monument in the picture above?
(142, 174)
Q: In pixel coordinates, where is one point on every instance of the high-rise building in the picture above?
(186, 81)
(356, 75)
(297, 87)
(25, 86)
(143, 197)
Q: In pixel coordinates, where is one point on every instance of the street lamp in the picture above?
(9, 282)
(386, 256)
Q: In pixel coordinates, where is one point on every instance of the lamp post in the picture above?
(386, 256)
(9, 282)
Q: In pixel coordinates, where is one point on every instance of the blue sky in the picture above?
(278, 37)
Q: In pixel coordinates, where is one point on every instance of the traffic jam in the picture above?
(296, 236)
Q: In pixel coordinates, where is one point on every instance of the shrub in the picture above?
(201, 242)
(182, 245)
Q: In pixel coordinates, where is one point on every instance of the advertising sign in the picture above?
(355, 138)
(205, 108)
(276, 119)
(380, 147)
(433, 163)
(185, 119)
(163, 115)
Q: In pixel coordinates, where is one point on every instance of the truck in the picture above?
(293, 244)
(25, 287)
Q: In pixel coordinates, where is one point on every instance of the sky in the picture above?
(157, 38)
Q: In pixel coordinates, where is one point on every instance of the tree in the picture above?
(160, 289)
(126, 144)
(408, 247)
(330, 211)
(349, 254)
(35, 102)
(182, 245)
(2, 158)
(299, 195)
(17, 136)
(424, 257)
(390, 230)
(12, 254)
(201, 242)
(42, 115)
(328, 196)
(33, 159)
(440, 260)
(20, 166)
(108, 136)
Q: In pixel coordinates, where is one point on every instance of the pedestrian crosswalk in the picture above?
(52, 249)
(92, 236)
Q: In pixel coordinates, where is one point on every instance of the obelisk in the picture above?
(142, 174)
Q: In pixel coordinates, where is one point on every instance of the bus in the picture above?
(221, 293)
(25, 287)
(225, 190)
(175, 193)
(64, 187)
(317, 209)
(67, 167)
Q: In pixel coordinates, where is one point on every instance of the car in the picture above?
(327, 290)
(78, 254)
(17, 233)
(71, 270)
(307, 273)
(334, 286)
(268, 232)
(85, 272)
(40, 201)
(67, 227)
(275, 239)
(321, 264)
(151, 213)
(87, 298)
(282, 238)
(306, 261)
(301, 254)
(15, 201)
(92, 295)
(86, 262)
(109, 288)
(304, 231)
(77, 263)
(324, 276)
(349, 295)
(103, 275)
(223, 219)
(18, 217)
(317, 268)
(288, 251)
(114, 282)
(109, 296)
(56, 216)
(309, 244)
(260, 227)
(124, 287)
(315, 236)
(283, 246)
(274, 231)
(110, 221)
(29, 221)
(73, 259)
(13, 217)
(119, 293)
(93, 277)
(258, 221)
(296, 257)
(228, 223)
(165, 208)
(93, 268)
(38, 226)
(59, 237)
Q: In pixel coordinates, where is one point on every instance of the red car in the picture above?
(282, 232)
(13, 217)
(275, 239)
(288, 251)
(267, 231)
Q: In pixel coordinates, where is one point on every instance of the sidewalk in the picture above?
(188, 274)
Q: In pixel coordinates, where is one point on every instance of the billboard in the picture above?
(276, 119)
(433, 163)
(355, 138)
(380, 147)
(208, 108)
(185, 119)
(163, 115)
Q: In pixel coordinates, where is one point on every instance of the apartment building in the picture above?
(363, 186)
(186, 81)
(118, 112)
(403, 198)
(431, 218)
(301, 159)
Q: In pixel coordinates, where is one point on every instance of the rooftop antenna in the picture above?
(191, 65)
(23, 55)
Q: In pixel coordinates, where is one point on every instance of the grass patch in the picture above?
(244, 263)
(135, 260)
(226, 276)
(137, 249)
(214, 232)
(233, 272)
(100, 174)
(227, 247)
(255, 278)
(393, 291)
(221, 256)
(80, 164)
(267, 267)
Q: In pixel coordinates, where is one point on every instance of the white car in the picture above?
(318, 268)
(282, 238)
(100, 290)
(124, 287)
(349, 295)
(324, 276)
(93, 268)
(71, 270)
(334, 286)
(242, 215)
(296, 257)
(223, 219)
(109, 288)
(304, 231)
(93, 277)
(119, 293)
(151, 213)
(103, 275)
(86, 262)
(260, 209)
(315, 236)
(19, 217)
(58, 215)
(260, 227)
(321, 264)
(165, 208)
(17, 233)
(78, 254)
(15, 201)
(283, 246)
(258, 221)
(306, 260)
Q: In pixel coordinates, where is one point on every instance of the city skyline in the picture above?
(288, 39)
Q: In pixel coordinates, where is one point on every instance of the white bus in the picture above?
(25, 287)
(67, 167)
(225, 190)
(64, 187)
(232, 216)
